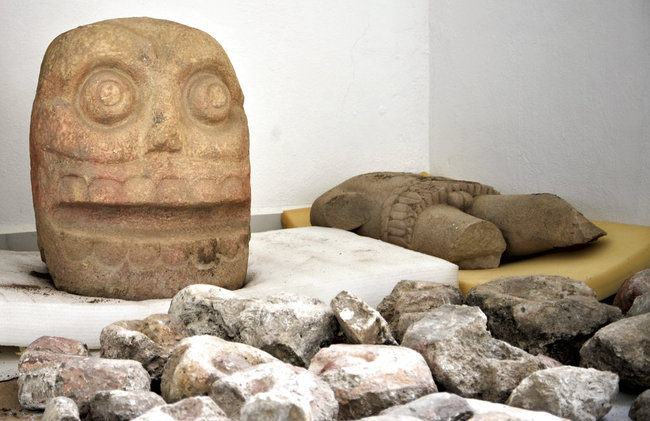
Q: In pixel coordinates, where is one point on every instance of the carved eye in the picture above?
(208, 98)
(107, 96)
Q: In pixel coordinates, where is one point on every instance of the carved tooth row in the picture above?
(113, 254)
(169, 191)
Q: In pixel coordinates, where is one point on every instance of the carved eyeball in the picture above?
(208, 98)
(107, 96)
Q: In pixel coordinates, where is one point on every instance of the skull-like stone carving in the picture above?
(139, 161)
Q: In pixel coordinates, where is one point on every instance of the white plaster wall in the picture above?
(333, 88)
(545, 96)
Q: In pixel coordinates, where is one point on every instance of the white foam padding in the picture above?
(314, 261)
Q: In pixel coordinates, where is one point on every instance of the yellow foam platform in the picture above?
(603, 265)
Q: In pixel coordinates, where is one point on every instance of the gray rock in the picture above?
(463, 356)
(490, 411)
(275, 391)
(122, 405)
(641, 305)
(149, 341)
(367, 379)
(640, 409)
(542, 314)
(390, 418)
(61, 409)
(411, 300)
(441, 406)
(635, 285)
(196, 408)
(360, 323)
(288, 326)
(570, 392)
(58, 345)
(199, 361)
(622, 347)
(44, 375)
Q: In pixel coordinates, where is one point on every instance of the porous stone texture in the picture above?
(440, 406)
(139, 161)
(58, 345)
(409, 301)
(360, 323)
(490, 411)
(622, 347)
(634, 286)
(570, 392)
(532, 223)
(197, 408)
(199, 361)
(641, 305)
(369, 378)
(464, 358)
(122, 405)
(149, 341)
(640, 409)
(390, 418)
(542, 314)
(288, 326)
(275, 391)
(61, 409)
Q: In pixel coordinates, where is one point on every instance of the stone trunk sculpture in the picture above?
(465, 222)
(139, 161)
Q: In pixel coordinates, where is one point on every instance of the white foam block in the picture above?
(314, 261)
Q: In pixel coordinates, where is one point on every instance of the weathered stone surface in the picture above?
(551, 315)
(390, 418)
(440, 406)
(570, 392)
(199, 361)
(122, 405)
(139, 161)
(490, 411)
(641, 305)
(622, 347)
(197, 408)
(61, 409)
(275, 391)
(411, 300)
(360, 323)
(635, 285)
(532, 223)
(288, 326)
(369, 378)
(463, 356)
(640, 409)
(149, 341)
(58, 345)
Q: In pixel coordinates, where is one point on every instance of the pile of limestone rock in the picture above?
(518, 348)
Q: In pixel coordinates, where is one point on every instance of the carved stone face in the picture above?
(139, 161)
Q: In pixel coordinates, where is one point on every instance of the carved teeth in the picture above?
(143, 190)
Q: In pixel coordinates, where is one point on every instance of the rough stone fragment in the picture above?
(197, 408)
(390, 418)
(440, 406)
(622, 347)
(367, 379)
(58, 345)
(490, 411)
(635, 285)
(570, 392)
(641, 305)
(542, 314)
(360, 323)
(411, 300)
(149, 341)
(532, 223)
(463, 356)
(139, 161)
(61, 409)
(640, 409)
(198, 361)
(275, 391)
(122, 405)
(288, 326)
